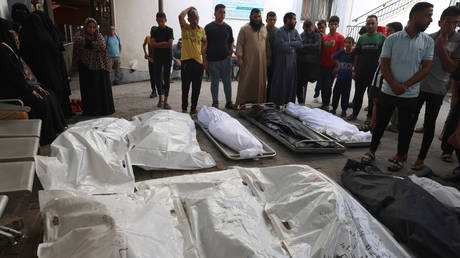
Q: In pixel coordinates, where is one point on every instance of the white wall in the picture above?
(133, 20)
(4, 9)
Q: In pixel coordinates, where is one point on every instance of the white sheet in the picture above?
(229, 131)
(449, 196)
(285, 211)
(90, 157)
(171, 142)
(328, 123)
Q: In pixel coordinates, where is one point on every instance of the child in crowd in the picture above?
(344, 69)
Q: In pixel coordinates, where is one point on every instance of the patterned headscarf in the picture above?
(96, 57)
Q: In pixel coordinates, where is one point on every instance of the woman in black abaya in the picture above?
(42, 53)
(89, 51)
(18, 81)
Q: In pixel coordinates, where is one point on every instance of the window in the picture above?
(317, 9)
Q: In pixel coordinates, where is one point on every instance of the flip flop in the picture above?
(368, 157)
(395, 158)
(418, 167)
(396, 166)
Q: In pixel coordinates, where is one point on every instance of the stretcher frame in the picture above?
(294, 147)
(269, 152)
(346, 144)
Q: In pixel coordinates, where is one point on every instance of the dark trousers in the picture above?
(326, 80)
(152, 75)
(433, 103)
(449, 129)
(374, 93)
(360, 89)
(317, 89)
(269, 80)
(191, 73)
(342, 90)
(407, 108)
(162, 84)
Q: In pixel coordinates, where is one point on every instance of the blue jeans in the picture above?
(220, 70)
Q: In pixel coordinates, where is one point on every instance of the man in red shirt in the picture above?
(331, 43)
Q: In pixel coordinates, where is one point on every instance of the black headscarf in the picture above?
(5, 34)
(49, 26)
(19, 13)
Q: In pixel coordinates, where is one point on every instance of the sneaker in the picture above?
(184, 110)
(316, 100)
(153, 95)
(166, 106)
(351, 117)
(193, 112)
(344, 114)
(215, 105)
(229, 105)
(325, 108)
(160, 104)
(333, 111)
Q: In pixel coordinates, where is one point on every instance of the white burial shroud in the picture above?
(285, 211)
(328, 123)
(229, 131)
(94, 156)
(90, 157)
(170, 143)
(447, 195)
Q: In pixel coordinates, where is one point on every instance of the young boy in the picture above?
(344, 69)
(161, 38)
(331, 43)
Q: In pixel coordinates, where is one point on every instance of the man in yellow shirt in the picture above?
(193, 57)
(149, 56)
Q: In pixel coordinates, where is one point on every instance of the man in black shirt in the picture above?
(219, 52)
(161, 38)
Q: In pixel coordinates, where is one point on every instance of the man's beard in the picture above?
(291, 26)
(255, 25)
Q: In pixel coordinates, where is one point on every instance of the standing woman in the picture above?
(95, 87)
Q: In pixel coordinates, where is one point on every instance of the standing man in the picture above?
(193, 57)
(219, 55)
(367, 53)
(271, 21)
(307, 59)
(176, 54)
(253, 52)
(161, 38)
(148, 54)
(332, 43)
(405, 60)
(113, 43)
(435, 86)
(284, 84)
(321, 29)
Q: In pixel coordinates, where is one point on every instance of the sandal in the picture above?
(447, 158)
(418, 167)
(396, 165)
(395, 157)
(368, 157)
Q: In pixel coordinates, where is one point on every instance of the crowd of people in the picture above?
(401, 71)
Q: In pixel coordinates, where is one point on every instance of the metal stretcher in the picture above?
(269, 152)
(298, 146)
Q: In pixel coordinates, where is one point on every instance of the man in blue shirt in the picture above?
(113, 44)
(405, 60)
